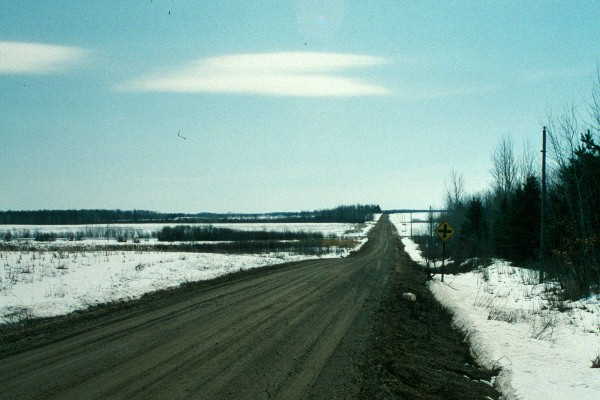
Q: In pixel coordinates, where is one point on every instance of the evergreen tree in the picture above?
(525, 221)
(473, 231)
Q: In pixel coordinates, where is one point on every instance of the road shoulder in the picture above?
(414, 351)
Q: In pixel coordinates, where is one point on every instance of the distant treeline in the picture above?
(352, 213)
(186, 233)
(80, 217)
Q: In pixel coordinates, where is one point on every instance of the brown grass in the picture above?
(344, 243)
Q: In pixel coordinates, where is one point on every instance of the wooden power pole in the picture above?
(543, 205)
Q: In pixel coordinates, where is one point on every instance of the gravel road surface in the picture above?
(292, 332)
(320, 329)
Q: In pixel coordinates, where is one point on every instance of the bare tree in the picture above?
(595, 105)
(505, 171)
(527, 163)
(455, 190)
(564, 133)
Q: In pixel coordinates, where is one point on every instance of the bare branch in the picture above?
(455, 190)
(527, 163)
(504, 170)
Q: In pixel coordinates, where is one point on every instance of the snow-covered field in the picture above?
(48, 283)
(99, 230)
(543, 346)
(43, 284)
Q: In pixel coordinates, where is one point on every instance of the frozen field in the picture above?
(100, 231)
(43, 284)
(46, 282)
(544, 346)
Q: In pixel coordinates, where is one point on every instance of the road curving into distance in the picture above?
(292, 332)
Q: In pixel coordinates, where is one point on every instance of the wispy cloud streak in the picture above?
(307, 74)
(37, 58)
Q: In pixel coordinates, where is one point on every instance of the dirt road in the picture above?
(323, 329)
(289, 333)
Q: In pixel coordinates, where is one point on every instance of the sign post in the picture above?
(444, 232)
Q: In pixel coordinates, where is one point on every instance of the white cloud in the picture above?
(278, 74)
(36, 58)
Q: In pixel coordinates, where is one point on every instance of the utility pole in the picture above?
(543, 205)
(430, 222)
(410, 216)
(429, 245)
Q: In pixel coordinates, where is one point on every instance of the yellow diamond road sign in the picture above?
(444, 231)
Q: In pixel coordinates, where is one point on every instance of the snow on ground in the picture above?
(415, 254)
(93, 234)
(43, 284)
(98, 230)
(48, 283)
(399, 221)
(515, 323)
(413, 251)
(95, 243)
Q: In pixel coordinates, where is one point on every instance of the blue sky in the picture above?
(283, 105)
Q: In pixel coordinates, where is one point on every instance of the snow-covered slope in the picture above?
(544, 346)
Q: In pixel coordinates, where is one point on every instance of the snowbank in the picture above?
(515, 323)
(413, 251)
